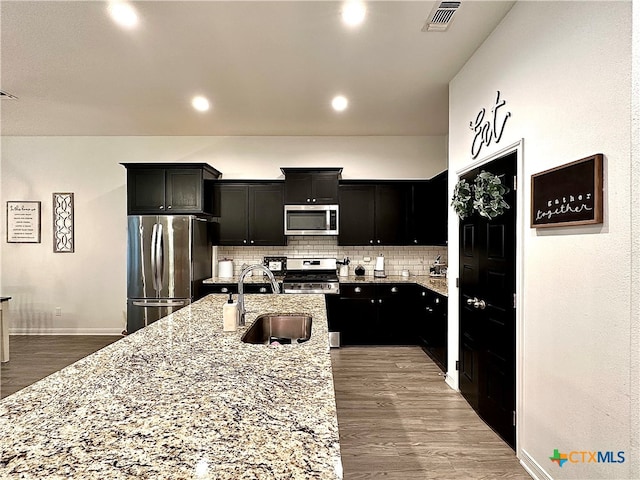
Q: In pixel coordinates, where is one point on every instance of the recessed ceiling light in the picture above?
(200, 103)
(123, 14)
(353, 12)
(339, 103)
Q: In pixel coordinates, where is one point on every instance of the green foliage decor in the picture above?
(461, 202)
(486, 196)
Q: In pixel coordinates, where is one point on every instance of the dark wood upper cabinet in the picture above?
(428, 217)
(373, 213)
(166, 188)
(250, 214)
(317, 186)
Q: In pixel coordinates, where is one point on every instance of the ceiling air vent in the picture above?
(7, 96)
(440, 17)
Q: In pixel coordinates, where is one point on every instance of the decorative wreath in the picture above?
(489, 195)
(461, 201)
(486, 196)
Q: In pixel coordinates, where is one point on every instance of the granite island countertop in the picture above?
(181, 399)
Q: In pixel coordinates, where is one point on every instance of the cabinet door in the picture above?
(396, 311)
(298, 188)
(432, 326)
(419, 222)
(357, 215)
(320, 188)
(359, 321)
(324, 188)
(234, 214)
(437, 213)
(183, 190)
(145, 190)
(266, 215)
(391, 214)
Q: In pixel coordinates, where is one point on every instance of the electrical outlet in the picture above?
(58, 311)
(366, 259)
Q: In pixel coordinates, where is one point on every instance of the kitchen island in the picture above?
(181, 399)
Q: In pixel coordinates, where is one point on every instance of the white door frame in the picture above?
(521, 214)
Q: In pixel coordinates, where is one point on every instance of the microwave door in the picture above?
(314, 221)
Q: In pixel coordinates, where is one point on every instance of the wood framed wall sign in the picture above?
(23, 222)
(568, 195)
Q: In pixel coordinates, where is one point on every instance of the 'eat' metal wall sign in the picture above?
(491, 129)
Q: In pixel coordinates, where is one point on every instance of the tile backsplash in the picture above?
(415, 259)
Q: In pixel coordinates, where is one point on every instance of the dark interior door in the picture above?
(487, 312)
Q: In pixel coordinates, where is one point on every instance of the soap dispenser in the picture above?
(230, 315)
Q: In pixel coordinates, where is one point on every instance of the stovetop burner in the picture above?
(311, 275)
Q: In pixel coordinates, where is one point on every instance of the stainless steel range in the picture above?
(311, 275)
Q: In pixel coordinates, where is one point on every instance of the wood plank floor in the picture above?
(397, 417)
(33, 357)
(399, 420)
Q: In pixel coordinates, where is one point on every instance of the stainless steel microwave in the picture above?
(311, 219)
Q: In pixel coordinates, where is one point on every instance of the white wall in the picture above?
(90, 285)
(564, 69)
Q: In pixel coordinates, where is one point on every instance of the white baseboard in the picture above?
(65, 331)
(532, 467)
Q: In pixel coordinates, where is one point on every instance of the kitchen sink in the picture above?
(284, 328)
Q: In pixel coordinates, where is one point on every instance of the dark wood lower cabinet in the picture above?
(432, 326)
(374, 314)
(232, 287)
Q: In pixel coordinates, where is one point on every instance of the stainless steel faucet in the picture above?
(275, 288)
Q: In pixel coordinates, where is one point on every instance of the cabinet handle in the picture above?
(370, 241)
(224, 289)
(379, 300)
(373, 301)
(436, 301)
(169, 207)
(308, 200)
(424, 294)
(244, 241)
(251, 242)
(378, 241)
(415, 240)
(429, 309)
(357, 289)
(263, 289)
(314, 200)
(161, 207)
(394, 289)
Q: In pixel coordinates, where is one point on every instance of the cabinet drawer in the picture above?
(350, 290)
(406, 290)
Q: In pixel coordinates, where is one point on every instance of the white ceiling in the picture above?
(269, 68)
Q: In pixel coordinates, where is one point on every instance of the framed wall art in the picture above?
(23, 222)
(63, 228)
(568, 195)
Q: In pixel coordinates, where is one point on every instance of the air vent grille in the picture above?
(440, 17)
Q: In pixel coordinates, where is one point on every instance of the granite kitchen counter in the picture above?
(437, 284)
(181, 399)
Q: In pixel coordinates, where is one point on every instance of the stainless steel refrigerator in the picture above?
(168, 256)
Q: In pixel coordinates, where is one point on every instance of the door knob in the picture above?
(476, 303)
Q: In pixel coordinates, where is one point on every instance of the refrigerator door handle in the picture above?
(154, 262)
(159, 257)
(160, 303)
